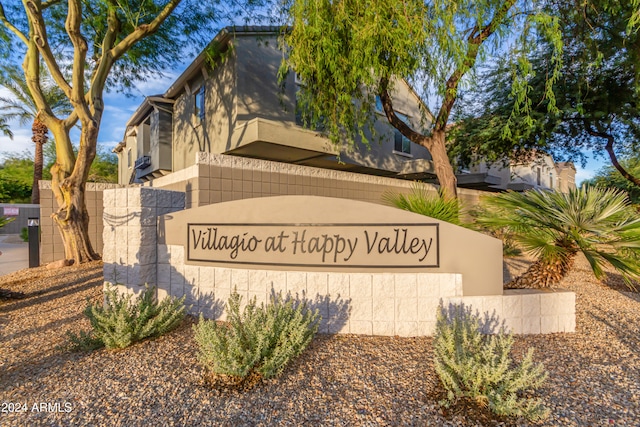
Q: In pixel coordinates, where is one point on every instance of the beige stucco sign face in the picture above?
(312, 233)
(315, 245)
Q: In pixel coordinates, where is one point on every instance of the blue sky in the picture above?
(119, 108)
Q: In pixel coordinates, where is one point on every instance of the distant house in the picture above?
(234, 105)
(537, 172)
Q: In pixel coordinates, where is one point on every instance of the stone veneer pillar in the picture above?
(130, 233)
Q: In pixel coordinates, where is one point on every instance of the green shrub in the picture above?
(121, 321)
(85, 341)
(24, 234)
(476, 366)
(255, 343)
(424, 202)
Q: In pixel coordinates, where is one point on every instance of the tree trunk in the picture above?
(68, 187)
(444, 170)
(39, 138)
(73, 223)
(435, 143)
(543, 274)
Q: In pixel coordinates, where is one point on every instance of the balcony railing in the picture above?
(143, 162)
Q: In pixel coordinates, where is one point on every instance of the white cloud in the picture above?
(160, 85)
(21, 140)
(108, 145)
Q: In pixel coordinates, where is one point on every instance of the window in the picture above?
(538, 175)
(198, 108)
(402, 144)
(551, 181)
(129, 158)
(379, 107)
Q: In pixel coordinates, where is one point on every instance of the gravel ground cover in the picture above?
(594, 374)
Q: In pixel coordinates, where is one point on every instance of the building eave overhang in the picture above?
(119, 147)
(145, 108)
(222, 40)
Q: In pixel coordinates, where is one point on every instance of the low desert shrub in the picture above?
(121, 320)
(257, 342)
(479, 367)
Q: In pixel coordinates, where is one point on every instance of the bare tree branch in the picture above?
(612, 155)
(475, 39)
(39, 36)
(72, 25)
(144, 30)
(11, 27)
(49, 3)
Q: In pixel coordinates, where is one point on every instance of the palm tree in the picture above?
(555, 226)
(4, 127)
(422, 201)
(21, 106)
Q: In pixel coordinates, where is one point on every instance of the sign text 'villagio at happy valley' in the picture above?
(318, 245)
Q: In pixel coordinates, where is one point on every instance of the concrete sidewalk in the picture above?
(15, 254)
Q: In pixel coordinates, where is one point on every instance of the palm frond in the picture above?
(598, 222)
(423, 201)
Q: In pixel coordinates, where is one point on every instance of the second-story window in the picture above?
(198, 107)
(402, 144)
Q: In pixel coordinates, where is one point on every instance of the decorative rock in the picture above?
(60, 263)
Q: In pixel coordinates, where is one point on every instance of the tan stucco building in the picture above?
(539, 171)
(235, 105)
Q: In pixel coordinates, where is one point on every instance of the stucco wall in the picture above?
(212, 133)
(529, 173)
(243, 87)
(220, 178)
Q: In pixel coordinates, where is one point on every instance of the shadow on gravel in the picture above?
(616, 282)
(14, 377)
(54, 327)
(47, 294)
(628, 332)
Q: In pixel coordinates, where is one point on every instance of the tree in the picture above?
(16, 172)
(104, 167)
(609, 177)
(596, 96)
(340, 48)
(22, 106)
(555, 226)
(88, 46)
